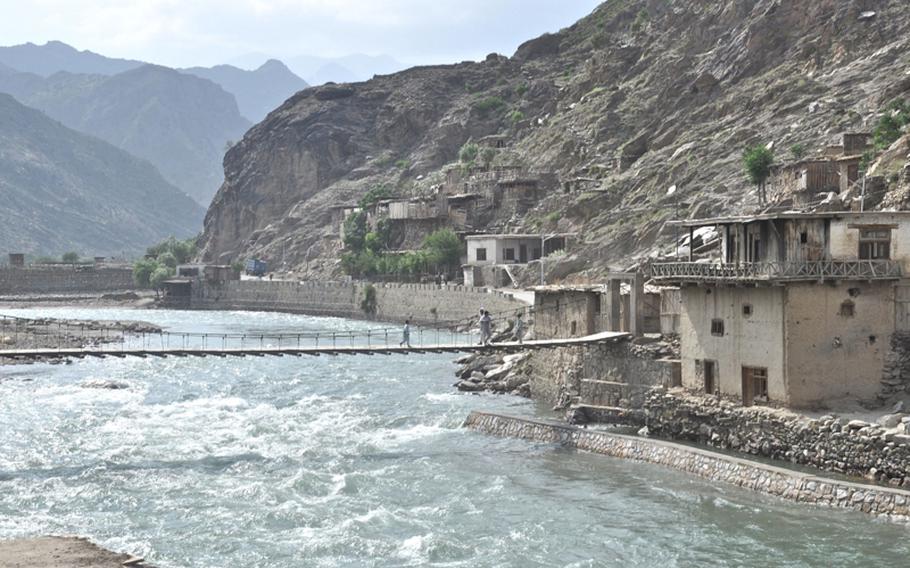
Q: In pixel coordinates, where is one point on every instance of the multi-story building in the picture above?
(799, 309)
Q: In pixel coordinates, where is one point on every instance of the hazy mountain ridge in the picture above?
(636, 97)
(180, 123)
(259, 91)
(63, 190)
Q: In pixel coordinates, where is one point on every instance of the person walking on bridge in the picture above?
(486, 328)
(518, 330)
(406, 334)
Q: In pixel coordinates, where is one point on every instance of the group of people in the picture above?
(486, 329)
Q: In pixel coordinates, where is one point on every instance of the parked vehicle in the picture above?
(256, 267)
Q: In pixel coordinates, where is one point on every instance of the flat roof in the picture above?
(733, 219)
(520, 236)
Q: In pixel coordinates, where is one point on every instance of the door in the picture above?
(755, 384)
(710, 377)
(523, 253)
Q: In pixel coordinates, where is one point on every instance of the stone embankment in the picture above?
(780, 482)
(426, 304)
(877, 451)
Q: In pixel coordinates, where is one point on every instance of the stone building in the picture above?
(16, 260)
(799, 309)
(489, 256)
(811, 179)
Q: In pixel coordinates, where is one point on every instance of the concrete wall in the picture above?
(716, 467)
(756, 340)
(64, 280)
(831, 355)
(566, 313)
(422, 303)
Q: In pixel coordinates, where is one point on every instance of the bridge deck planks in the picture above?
(510, 346)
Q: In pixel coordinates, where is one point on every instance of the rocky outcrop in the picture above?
(638, 96)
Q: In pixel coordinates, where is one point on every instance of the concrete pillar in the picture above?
(636, 296)
(614, 303)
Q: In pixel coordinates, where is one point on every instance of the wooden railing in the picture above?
(756, 271)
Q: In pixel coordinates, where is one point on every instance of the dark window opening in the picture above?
(480, 254)
(847, 309)
(803, 237)
(573, 328)
(874, 244)
(710, 376)
(853, 292)
(872, 340)
(509, 254)
(717, 327)
(747, 310)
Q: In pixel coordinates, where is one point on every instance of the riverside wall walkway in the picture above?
(764, 478)
(426, 304)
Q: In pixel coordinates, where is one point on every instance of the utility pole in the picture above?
(672, 191)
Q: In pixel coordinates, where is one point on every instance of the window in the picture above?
(717, 327)
(535, 254)
(874, 244)
(480, 254)
(755, 384)
(574, 329)
(747, 310)
(803, 237)
(509, 254)
(847, 309)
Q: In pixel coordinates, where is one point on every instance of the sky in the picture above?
(183, 33)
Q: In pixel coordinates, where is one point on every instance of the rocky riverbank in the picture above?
(43, 333)
(878, 451)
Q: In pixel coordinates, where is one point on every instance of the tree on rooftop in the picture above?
(757, 162)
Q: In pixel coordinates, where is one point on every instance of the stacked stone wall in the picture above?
(896, 372)
(851, 447)
(785, 483)
(556, 372)
(427, 304)
(22, 281)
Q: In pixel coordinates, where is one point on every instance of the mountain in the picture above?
(257, 92)
(63, 190)
(319, 70)
(179, 122)
(54, 56)
(636, 97)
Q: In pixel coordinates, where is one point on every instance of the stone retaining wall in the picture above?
(793, 485)
(555, 372)
(840, 445)
(423, 303)
(21, 281)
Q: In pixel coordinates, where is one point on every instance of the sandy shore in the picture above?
(126, 299)
(61, 552)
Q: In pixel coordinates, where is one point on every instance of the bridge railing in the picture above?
(26, 333)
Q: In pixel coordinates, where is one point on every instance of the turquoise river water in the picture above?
(358, 461)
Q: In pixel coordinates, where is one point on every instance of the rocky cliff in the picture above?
(636, 97)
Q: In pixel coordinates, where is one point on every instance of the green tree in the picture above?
(374, 196)
(158, 276)
(798, 151)
(369, 304)
(142, 271)
(468, 152)
(355, 231)
(168, 259)
(443, 249)
(70, 257)
(757, 162)
(487, 155)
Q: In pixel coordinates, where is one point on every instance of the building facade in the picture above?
(799, 309)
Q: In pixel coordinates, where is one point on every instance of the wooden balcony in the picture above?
(698, 272)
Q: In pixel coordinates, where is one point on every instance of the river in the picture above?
(358, 461)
